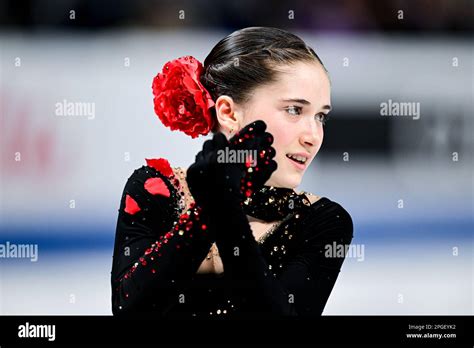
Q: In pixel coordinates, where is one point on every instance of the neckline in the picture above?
(179, 173)
(270, 203)
(264, 237)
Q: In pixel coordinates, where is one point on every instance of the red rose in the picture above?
(181, 101)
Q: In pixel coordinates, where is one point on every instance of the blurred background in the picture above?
(407, 181)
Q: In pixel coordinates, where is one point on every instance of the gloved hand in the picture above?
(214, 180)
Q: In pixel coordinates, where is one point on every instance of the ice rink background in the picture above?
(417, 259)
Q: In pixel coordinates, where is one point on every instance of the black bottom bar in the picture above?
(81, 330)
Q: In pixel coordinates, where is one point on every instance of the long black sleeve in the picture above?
(153, 258)
(303, 285)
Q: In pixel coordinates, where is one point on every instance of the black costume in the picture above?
(158, 250)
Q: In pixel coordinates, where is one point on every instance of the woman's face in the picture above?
(294, 109)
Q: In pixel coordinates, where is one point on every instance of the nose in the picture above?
(311, 134)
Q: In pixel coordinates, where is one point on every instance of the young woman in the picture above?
(230, 236)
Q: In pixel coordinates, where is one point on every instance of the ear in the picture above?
(229, 115)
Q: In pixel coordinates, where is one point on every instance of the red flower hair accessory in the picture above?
(181, 101)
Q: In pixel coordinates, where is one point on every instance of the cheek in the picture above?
(320, 138)
(278, 126)
(273, 120)
(281, 142)
(282, 136)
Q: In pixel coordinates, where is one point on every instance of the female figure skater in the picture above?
(230, 236)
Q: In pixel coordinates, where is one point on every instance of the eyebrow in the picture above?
(304, 102)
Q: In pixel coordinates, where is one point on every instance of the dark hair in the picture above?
(248, 58)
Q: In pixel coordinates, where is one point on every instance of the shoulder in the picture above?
(157, 178)
(328, 216)
(152, 190)
(154, 167)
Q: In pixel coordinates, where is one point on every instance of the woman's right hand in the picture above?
(214, 179)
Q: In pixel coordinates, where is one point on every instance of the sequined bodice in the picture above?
(274, 250)
(156, 257)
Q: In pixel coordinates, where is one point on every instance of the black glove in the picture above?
(214, 180)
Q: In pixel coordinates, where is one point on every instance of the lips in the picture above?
(298, 159)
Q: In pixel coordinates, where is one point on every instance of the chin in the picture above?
(286, 180)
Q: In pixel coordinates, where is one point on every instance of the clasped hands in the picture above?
(225, 172)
